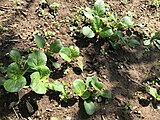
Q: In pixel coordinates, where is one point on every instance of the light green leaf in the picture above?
(152, 91)
(74, 52)
(127, 21)
(57, 86)
(106, 94)
(14, 85)
(37, 58)
(88, 13)
(88, 32)
(56, 46)
(13, 70)
(97, 24)
(99, 8)
(79, 87)
(44, 71)
(147, 42)
(133, 43)
(80, 64)
(65, 53)
(89, 107)
(56, 65)
(40, 42)
(15, 56)
(38, 85)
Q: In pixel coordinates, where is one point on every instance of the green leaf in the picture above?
(152, 91)
(86, 95)
(44, 71)
(106, 94)
(74, 52)
(13, 70)
(37, 58)
(56, 46)
(2, 80)
(133, 43)
(40, 42)
(95, 83)
(38, 85)
(97, 24)
(147, 42)
(56, 65)
(127, 21)
(88, 13)
(99, 8)
(15, 56)
(106, 33)
(14, 85)
(158, 98)
(88, 32)
(80, 64)
(89, 107)
(57, 86)
(65, 53)
(79, 87)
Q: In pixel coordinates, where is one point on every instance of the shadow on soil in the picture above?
(109, 65)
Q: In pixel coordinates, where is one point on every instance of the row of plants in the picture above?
(35, 65)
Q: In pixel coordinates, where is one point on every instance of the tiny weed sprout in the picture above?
(153, 92)
(90, 90)
(153, 39)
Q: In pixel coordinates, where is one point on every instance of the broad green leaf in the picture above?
(56, 46)
(40, 42)
(97, 24)
(15, 56)
(95, 83)
(38, 85)
(106, 94)
(113, 17)
(133, 43)
(106, 33)
(37, 58)
(152, 91)
(57, 86)
(80, 64)
(79, 87)
(88, 13)
(56, 65)
(89, 107)
(14, 85)
(158, 97)
(147, 42)
(65, 53)
(86, 95)
(99, 8)
(2, 80)
(127, 21)
(74, 52)
(13, 70)
(44, 71)
(88, 32)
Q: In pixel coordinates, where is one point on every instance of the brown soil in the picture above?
(121, 71)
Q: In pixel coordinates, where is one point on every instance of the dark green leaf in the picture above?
(2, 80)
(86, 95)
(89, 107)
(74, 52)
(40, 42)
(106, 94)
(15, 56)
(133, 43)
(13, 70)
(56, 46)
(14, 85)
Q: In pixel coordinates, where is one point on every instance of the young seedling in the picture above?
(89, 91)
(153, 92)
